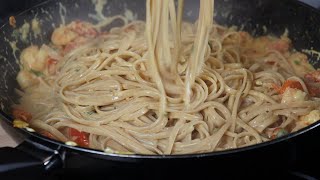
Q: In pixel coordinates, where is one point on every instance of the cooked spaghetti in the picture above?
(165, 86)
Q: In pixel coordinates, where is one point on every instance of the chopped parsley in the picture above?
(278, 132)
(89, 112)
(282, 132)
(37, 73)
(15, 33)
(297, 62)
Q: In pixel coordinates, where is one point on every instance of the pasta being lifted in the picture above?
(165, 86)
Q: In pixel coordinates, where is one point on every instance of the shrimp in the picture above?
(293, 95)
(245, 39)
(83, 29)
(39, 60)
(266, 43)
(21, 115)
(300, 64)
(310, 118)
(313, 76)
(312, 80)
(36, 62)
(26, 79)
(282, 45)
(65, 35)
(74, 44)
(33, 58)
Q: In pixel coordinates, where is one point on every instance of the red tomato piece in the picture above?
(312, 81)
(21, 115)
(51, 65)
(81, 138)
(288, 84)
(313, 76)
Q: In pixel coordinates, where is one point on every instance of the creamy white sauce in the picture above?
(48, 14)
(3, 58)
(285, 33)
(128, 14)
(35, 27)
(1, 105)
(312, 52)
(62, 13)
(14, 48)
(24, 32)
(265, 29)
(98, 7)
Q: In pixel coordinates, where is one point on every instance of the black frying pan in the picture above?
(38, 154)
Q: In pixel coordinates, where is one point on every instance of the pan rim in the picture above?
(8, 119)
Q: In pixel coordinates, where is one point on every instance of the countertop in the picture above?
(5, 139)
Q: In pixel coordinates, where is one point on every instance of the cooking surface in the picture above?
(5, 139)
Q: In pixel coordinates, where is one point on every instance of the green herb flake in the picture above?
(15, 33)
(37, 73)
(89, 112)
(281, 133)
(297, 62)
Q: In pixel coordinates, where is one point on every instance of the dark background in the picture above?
(10, 7)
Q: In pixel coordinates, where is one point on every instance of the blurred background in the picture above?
(314, 3)
(12, 7)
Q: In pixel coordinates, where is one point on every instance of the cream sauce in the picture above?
(35, 27)
(99, 5)
(14, 48)
(22, 32)
(62, 13)
(129, 15)
(312, 52)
